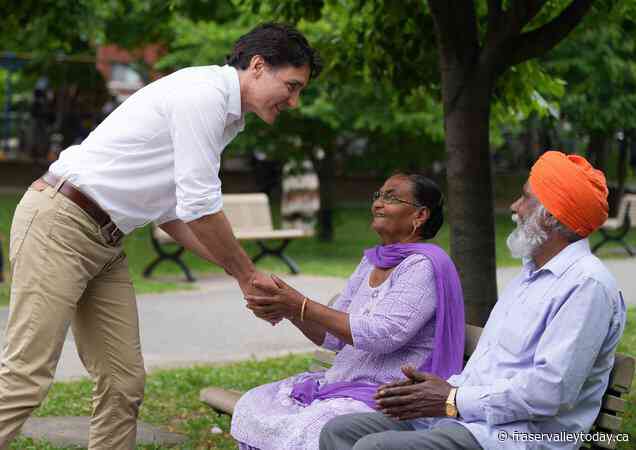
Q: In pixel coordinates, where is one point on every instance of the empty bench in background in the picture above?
(616, 229)
(608, 421)
(251, 219)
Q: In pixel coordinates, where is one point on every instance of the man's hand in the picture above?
(420, 395)
(279, 301)
(254, 287)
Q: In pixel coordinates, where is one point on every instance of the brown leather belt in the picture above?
(109, 230)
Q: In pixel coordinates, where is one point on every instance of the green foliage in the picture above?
(598, 65)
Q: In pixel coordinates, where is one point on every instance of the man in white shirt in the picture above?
(156, 158)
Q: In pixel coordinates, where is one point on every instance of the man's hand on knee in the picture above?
(420, 395)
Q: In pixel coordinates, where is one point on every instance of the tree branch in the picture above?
(537, 42)
(519, 15)
(494, 14)
(456, 26)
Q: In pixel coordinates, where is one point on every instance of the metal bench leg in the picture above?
(627, 247)
(185, 269)
(278, 252)
(172, 256)
(606, 239)
(151, 267)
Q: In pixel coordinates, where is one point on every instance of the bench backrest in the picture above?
(248, 212)
(245, 212)
(627, 200)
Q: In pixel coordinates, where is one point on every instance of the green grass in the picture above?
(172, 399)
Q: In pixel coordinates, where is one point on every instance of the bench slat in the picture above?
(622, 374)
(604, 444)
(254, 235)
(609, 422)
(613, 403)
(221, 400)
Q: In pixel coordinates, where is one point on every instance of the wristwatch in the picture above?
(451, 408)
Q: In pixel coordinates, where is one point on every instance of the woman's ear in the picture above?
(423, 214)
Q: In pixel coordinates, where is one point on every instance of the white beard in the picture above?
(525, 240)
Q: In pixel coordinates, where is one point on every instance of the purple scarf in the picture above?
(445, 359)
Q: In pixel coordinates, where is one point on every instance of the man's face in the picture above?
(529, 235)
(277, 89)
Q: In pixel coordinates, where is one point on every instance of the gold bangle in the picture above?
(302, 309)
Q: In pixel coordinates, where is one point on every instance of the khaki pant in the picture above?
(64, 273)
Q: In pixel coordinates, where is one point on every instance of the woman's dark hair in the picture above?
(427, 193)
(279, 45)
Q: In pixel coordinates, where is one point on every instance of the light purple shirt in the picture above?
(544, 359)
(392, 324)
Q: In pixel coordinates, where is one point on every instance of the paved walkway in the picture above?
(212, 325)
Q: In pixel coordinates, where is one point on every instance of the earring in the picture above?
(414, 228)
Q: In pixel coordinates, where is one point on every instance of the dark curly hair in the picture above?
(279, 45)
(427, 193)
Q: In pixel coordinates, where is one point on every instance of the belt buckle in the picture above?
(111, 233)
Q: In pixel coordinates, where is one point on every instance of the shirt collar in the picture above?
(234, 99)
(562, 260)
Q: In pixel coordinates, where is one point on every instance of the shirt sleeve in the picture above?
(197, 118)
(562, 362)
(343, 301)
(167, 217)
(407, 306)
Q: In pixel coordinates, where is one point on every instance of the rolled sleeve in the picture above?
(166, 217)
(198, 118)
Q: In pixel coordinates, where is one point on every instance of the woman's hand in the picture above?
(277, 302)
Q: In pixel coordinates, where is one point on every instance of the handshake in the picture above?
(271, 299)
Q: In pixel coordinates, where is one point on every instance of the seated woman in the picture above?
(403, 305)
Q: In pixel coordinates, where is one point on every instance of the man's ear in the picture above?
(257, 65)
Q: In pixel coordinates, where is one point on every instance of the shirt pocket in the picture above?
(515, 335)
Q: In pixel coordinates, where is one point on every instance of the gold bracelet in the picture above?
(302, 309)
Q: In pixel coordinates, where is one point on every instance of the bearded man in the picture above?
(545, 355)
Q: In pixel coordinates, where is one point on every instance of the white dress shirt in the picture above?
(157, 156)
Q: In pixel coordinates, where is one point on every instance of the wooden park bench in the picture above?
(608, 421)
(251, 220)
(616, 229)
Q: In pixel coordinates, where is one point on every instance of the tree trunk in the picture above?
(622, 169)
(470, 193)
(598, 148)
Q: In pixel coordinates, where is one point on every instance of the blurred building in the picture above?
(127, 71)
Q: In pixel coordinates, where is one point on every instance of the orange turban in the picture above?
(571, 190)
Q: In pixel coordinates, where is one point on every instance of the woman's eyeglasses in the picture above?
(390, 199)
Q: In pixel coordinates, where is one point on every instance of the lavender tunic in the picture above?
(392, 324)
